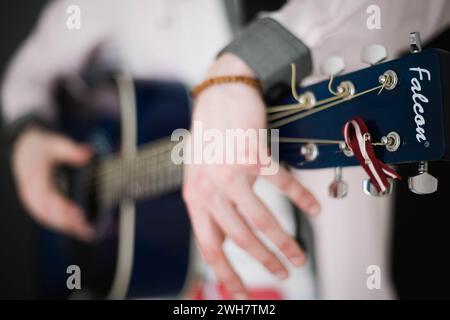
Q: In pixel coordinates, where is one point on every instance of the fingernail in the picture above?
(281, 274)
(314, 209)
(298, 261)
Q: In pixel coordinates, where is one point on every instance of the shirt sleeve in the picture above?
(344, 27)
(52, 50)
(306, 32)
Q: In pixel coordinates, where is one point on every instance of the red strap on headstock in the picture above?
(358, 139)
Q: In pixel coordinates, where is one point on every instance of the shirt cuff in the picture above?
(269, 49)
(16, 127)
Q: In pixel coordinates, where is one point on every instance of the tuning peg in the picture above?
(373, 54)
(415, 43)
(369, 189)
(338, 188)
(332, 66)
(423, 183)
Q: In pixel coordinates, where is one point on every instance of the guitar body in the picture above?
(162, 236)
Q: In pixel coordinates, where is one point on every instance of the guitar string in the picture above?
(116, 181)
(158, 185)
(119, 164)
(115, 170)
(293, 109)
(273, 125)
(307, 140)
(112, 194)
(310, 112)
(161, 162)
(156, 165)
(298, 97)
(299, 106)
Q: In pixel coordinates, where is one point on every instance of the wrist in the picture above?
(228, 71)
(228, 64)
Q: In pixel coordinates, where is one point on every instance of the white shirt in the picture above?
(158, 39)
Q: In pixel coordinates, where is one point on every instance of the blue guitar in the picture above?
(131, 191)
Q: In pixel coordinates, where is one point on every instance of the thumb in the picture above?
(65, 150)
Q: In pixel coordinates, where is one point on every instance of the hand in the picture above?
(35, 155)
(220, 198)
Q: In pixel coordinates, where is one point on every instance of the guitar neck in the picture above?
(149, 173)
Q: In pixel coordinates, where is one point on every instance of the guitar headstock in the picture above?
(404, 102)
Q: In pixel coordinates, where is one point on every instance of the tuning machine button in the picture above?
(374, 54)
(423, 183)
(370, 189)
(415, 43)
(338, 188)
(332, 66)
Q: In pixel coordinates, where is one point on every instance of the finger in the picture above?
(300, 195)
(259, 216)
(67, 151)
(68, 217)
(232, 224)
(210, 241)
(56, 212)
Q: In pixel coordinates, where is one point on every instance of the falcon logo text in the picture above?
(419, 99)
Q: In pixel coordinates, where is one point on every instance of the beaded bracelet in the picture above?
(226, 79)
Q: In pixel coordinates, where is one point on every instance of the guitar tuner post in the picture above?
(309, 151)
(391, 141)
(338, 188)
(307, 100)
(389, 80)
(348, 152)
(346, 89)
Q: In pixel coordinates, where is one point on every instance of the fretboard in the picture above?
(148, 174)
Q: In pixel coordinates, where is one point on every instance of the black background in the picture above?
(17, 252)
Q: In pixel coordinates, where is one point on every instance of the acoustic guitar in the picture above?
(130, 191)
(389, 113)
